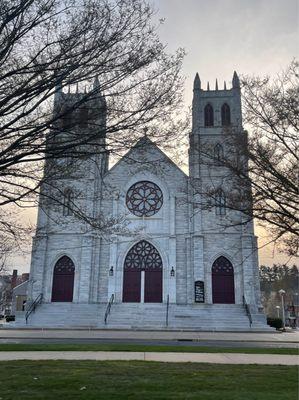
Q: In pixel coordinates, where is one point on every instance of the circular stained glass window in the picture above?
(144, 199)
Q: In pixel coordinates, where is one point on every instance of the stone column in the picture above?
(112, 278)
(172, 264)
(85, 268)
(198, 264)
(248, 269)
(38, 263)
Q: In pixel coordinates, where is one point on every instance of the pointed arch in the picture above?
(225, 115)
(68, 201)
(63, 280)
(223, 282)
(83, 117)
(66, 118)
(218, 152)
(220, 202)
(143, 258)
(209, 115)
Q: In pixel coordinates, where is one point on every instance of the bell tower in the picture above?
(219, 227)
(71, 191)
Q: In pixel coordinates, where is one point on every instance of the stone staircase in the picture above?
(64, 315)
(198, 317)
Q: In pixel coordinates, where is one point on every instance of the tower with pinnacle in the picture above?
(217, 227)
(71, 191)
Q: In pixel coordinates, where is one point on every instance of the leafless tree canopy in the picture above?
(51, 45)
(271, 110)
(264, 159)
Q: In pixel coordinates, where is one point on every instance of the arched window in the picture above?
(209, 115)
(218, 152)
(68, 202)
(83, 117)
(66, 119)
(225, 115)
(220, 202)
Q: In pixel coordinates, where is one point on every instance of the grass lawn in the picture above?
(119, 380)
(140, 347)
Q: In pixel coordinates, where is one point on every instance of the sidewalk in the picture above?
(278, 337)
(214, 358)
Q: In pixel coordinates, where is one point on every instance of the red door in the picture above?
(143, 256)
(132, 286)
(223, 285)
(63, 280)
(153, 286)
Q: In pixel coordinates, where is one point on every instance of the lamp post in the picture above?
(278, 308)
(282, 293)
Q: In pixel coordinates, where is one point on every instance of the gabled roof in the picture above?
(25, 283)
(145, 140)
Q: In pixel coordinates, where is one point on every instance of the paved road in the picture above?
(149, 335)
(217, 358)
(191, 343)
(220, 339)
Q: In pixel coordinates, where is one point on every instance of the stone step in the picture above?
(144, 316)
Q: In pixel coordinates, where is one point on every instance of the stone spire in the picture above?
(197, 82)
(236, 81)
(208, 86)
(224, 85)
(216, 85)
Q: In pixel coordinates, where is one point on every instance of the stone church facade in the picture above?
(179, 266)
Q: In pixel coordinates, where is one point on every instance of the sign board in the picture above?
(199, 291)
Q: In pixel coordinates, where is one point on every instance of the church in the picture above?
(180, 266)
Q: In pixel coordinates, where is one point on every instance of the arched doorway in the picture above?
(143, 274)
(63, 280)
(223, 284)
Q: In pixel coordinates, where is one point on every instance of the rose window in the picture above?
(144, 199)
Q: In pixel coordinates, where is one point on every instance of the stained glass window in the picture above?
(220, 202)
(143, 255)
(144, 199)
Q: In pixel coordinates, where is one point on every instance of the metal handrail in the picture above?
(247, 309)
(33, 306)
(167, 309)
(108, 309)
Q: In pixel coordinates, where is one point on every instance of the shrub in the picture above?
(275, 322)
(10, 318)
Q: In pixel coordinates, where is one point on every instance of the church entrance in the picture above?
(223, 285)
(143, 274)
(63, 280)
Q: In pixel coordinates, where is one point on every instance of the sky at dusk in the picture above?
(250, 36)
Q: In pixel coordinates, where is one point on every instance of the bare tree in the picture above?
(260, 168)
(93, 47)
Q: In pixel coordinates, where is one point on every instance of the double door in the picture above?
(142, 286)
